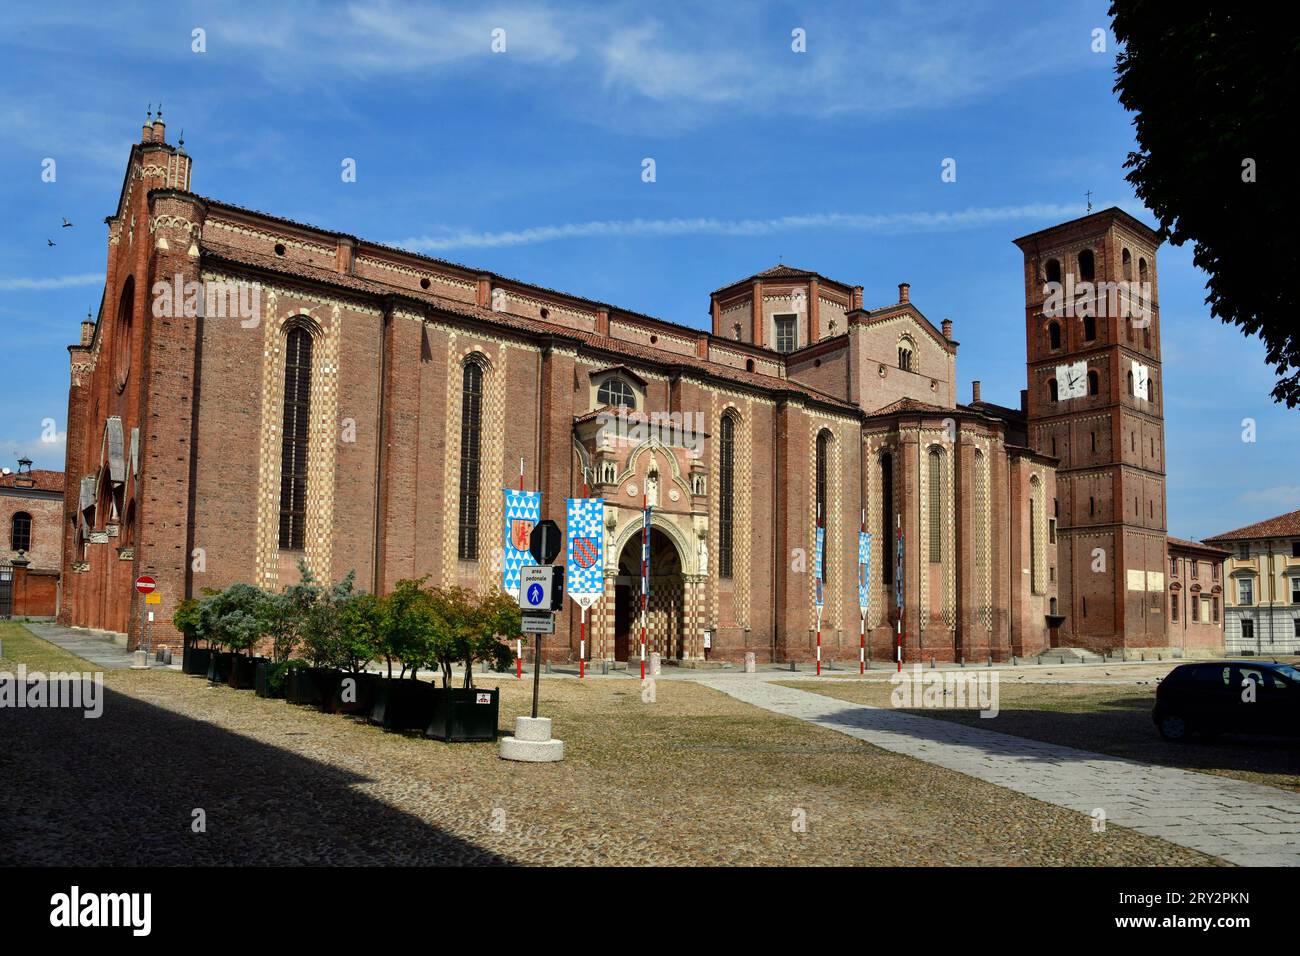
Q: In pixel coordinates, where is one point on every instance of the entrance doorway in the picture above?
(665, 612)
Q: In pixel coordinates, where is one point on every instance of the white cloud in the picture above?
(1283, 497)
(44, 454)
(57, 282)
(884, 223)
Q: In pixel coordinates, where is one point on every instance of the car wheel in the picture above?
(1173, 727)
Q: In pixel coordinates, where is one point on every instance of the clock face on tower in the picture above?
(1141, 381)
(1072, 380)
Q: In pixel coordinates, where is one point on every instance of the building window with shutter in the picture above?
(294, 438)
(726, 493)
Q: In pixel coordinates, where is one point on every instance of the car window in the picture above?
(1254, 674)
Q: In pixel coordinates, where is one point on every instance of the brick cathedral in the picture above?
(367, 414)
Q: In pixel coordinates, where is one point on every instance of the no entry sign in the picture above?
(145, 584)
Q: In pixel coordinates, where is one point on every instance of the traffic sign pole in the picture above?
(537, 672)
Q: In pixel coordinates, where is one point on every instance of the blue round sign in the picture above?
(534, 594)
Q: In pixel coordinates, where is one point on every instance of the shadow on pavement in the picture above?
(120, 790)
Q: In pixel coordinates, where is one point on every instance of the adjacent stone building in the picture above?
(1262, 603)
(31, 514)
(256, 391)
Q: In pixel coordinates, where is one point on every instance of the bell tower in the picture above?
(1092, 337)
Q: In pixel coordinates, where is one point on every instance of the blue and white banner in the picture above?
(523, 510)
(898, 574)
(645, 554)
(864, 570)
(817, 564)
(585, 574)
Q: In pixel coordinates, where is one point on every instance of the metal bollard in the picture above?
(794, 666)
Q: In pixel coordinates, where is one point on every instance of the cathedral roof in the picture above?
(911, 405)
(780, 272)
(218, 253)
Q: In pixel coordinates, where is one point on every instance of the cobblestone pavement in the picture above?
(682, 776)
(1242, 823)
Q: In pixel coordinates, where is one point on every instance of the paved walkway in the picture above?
(101, 651)
(1244, 823)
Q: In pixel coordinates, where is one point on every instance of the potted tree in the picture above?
(408, 632)
(286, 616)
(188, 619)
(476, 629)
(360, 624)
(242, 624)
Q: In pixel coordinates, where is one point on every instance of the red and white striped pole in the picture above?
(582, 646)
(862, 627)
(818, 587)
(898, 639)
(819, 642)
(521, 474)
(645, 579)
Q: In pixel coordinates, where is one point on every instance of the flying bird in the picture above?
(66, 224)
(50, 241)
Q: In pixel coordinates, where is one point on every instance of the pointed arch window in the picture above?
(471, 425)
(294, 438)
(936, 506)
(823, 477)
(726, 493)
(1054, 335)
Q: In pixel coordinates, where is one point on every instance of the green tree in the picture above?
(1212, 87)
(496, 622)
(410, 629)
(361, 620)
(236, 617)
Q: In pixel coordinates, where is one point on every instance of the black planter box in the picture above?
(306, 685)
(403, 704)
(465, 713)
(262, 681)
(195, 660)
(219, 667)
(363, 697)
(243, 671)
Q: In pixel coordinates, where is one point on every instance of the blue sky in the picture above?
(528, 163)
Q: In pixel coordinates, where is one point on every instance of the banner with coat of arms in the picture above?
(585, 574)
(522, 512)
(864, 570)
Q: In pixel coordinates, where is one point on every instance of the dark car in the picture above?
(1214, 697)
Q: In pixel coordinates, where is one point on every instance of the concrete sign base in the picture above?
(532, 742)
